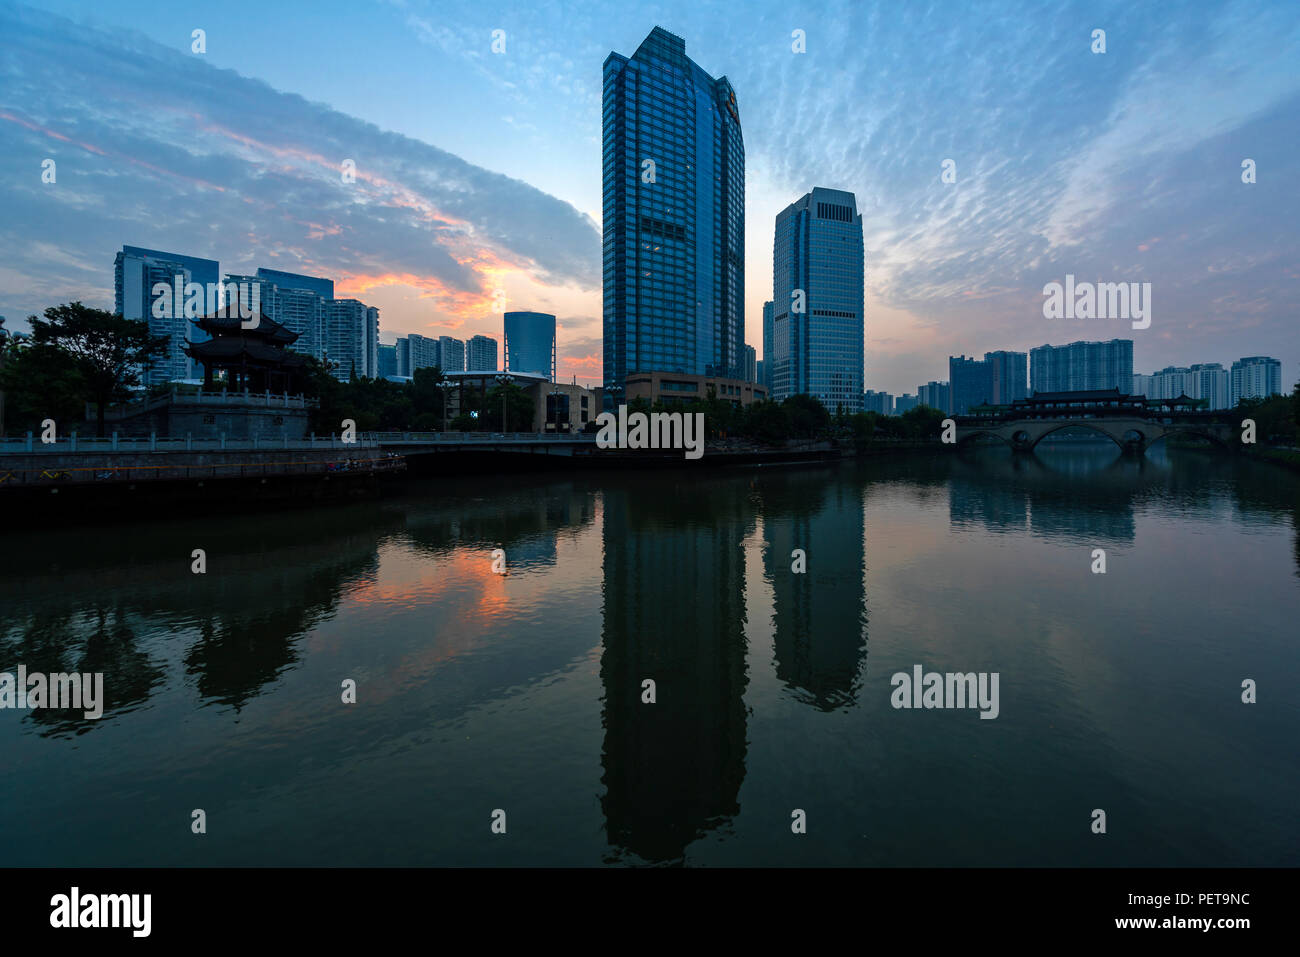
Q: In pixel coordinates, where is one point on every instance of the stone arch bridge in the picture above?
(1132, 422)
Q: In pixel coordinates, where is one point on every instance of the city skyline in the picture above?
(1142, 183)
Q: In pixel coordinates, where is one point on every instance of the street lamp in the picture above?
(445, 385)
(502, 380)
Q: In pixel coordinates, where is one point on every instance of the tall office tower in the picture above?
(751, 363)
(673, 203)
(1082, 366)
(481, 354)
(968, 383)
(760, 372)
(403, 346)
(769, 314)
(387, 360)
(880, 402)
(135, 272)
(817, 276)
(1006, 372)
(1255, 377)
(451, 354)
(933, 394)
(350, 336)
(530, 343)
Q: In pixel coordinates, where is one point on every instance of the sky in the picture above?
(479, 171)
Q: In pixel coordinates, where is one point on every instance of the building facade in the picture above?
(673, 207)
(1206, 380)
(672, 389)
(481, 354)
(1082, 367)
(135, 273)
(935, 395)
(878, 402)
(818, 325)
(451, 354)
(530, 343)
(1255, 377)
(769, 314)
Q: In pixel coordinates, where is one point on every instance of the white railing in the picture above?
(153, 443)
(477, 438)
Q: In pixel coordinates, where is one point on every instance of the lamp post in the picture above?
(502, 380)
(445, 385)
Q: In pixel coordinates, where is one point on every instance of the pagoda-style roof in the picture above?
(227, 322)
(231, 349)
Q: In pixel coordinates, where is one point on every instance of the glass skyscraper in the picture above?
(530, 343)
(818, 326)
(673, 172)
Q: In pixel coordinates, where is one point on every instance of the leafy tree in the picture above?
(39, 381)
(518, 405)
(808, 417)
(107, 349)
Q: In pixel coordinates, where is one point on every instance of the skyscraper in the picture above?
(1082, 366)
(817, 278)
(968, 383)
(530, 343)
(135, 272)
(673, 205)
(481, 355)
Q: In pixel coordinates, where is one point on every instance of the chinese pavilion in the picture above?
(254, 359)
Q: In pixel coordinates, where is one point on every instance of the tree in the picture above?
(39, 381)
(519, 405)
(107, 349)
(809, 419)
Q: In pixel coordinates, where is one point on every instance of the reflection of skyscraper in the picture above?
(819, 615)
(674, 613)
(674, 217)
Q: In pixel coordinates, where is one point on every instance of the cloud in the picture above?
(158, 148)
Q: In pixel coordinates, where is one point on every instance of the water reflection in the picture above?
(674, 613)
(819, 618)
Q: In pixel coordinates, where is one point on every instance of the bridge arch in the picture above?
(1115, 434)
(1215, 440)
(969, 437)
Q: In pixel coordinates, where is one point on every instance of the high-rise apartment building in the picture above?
(933, 394)
(135, 273)
(1082, 366)
(481, 354)
(879, 402)
(1205, 380)
(451, 354)
(1255, 377)
(818, 325)
(350, 338)
(673, 206)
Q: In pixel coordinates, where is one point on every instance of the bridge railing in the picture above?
(57, 475)
(475, 438)
(155, 443)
